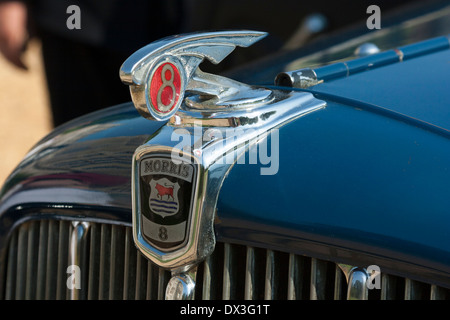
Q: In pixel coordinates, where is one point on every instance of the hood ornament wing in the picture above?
(160, 73)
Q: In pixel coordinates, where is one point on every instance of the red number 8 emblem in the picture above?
(165, 88)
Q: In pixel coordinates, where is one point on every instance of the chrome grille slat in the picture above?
(228, 287)
(271, 279)
(11, 268)
(213, 266)
(21, 262)
(338, 283)
(42, 265)
(105, 259)
(116, 264)
(38, 258)
(94, 263)
(386, 287)
(415, 290)
(30, 284)
(233, 272)
(52, 260)
(276, 275)
(140, 292)
(163, 279)
(79, 245)
(250, 275)
(151, 290)
(438, 293)
(298, 283)
(318, 279)
(153, 282)
(207, 283)
(65, 229)
(294, 275)
(256, 267)
(130, 267)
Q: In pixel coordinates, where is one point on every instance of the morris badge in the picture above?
(168, 188)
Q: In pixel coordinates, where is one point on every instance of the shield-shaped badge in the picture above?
(163, 198)
(166, 190)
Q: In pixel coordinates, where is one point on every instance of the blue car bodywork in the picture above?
(370, 172)
(363, 181)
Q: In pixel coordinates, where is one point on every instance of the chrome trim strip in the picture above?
(357, 284)
(78, 256)
(304, 78)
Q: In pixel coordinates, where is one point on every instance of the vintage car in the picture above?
(321, 172)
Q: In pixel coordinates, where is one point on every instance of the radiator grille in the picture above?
(38, 258)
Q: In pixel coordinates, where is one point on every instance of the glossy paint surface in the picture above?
(348, 178)
(84, 163)
(370, 171)
(416, 89)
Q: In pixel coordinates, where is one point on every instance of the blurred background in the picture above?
(73, 72)
(25, 115)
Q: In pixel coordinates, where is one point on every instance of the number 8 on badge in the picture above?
(165, 90)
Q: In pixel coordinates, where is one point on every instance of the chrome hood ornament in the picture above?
(212, 122)
(160, 73)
